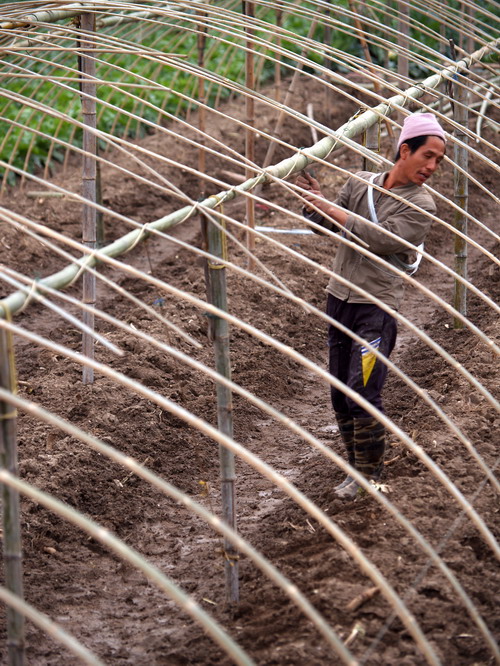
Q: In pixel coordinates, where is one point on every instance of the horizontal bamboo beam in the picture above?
(47, 16)
(55, 15)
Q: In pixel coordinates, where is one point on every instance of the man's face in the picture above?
(419, 166)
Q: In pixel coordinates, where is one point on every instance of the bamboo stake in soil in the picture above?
(12, 553)
(88, 87)
(461, 158)
(218, 296)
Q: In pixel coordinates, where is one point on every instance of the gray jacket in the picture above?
(396, 216)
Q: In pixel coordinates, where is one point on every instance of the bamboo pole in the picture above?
(403, 46)
(470, 22)
(100, 229)
(217, 246)
(328, 42)
(442, 49)
(461, 194)
(201, 45)
(249, 12)
(464, 18)
(358, 11)
(12, 550)
(371, 139)
(89, 177)
(289, 94)
(277, 66)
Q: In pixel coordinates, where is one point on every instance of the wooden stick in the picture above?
(277, 66)
(362, 598)
(201, 45)
(34, 194)
(12, 551)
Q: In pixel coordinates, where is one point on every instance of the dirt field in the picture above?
(109, 606)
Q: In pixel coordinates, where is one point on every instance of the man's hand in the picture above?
(314, 196)
(307, 182)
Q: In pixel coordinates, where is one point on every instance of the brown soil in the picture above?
(111, 607)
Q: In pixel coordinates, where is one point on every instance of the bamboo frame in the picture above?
(271, 175)
(319, 515)
(286, 422)
(239, 544)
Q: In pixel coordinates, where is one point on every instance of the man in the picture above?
(421, 148)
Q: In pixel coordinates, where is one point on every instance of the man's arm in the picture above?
(323, 209)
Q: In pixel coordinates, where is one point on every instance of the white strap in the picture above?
(371, 205)
(409, 268)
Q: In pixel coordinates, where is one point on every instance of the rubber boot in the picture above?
(346, 430)
(369, 449)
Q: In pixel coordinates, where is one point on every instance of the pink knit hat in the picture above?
(420, 124)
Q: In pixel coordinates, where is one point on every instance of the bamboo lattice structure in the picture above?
(224, 86)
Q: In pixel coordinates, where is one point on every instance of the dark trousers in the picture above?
(354, 364)
(358, 367)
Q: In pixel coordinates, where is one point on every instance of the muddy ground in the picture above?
(111, 607)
